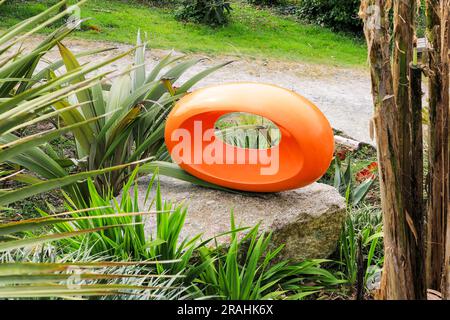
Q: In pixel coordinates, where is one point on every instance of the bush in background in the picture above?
(340, 15)
(210, 12)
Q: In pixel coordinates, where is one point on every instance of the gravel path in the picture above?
(343, 94)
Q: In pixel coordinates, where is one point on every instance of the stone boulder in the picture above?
(307, 220)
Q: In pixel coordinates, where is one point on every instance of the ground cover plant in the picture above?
(268, 2)
(132, 241)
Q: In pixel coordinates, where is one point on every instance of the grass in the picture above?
(252, 32)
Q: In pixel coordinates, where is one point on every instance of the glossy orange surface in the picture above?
(303, 154)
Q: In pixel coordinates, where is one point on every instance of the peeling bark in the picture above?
(438, 157)
(397, 130)
(445, 40)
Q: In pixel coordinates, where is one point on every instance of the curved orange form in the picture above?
(302, 156)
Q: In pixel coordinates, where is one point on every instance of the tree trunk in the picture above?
(445, 16)
(396, 134)
(438, 188)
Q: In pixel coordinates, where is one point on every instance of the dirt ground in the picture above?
(343, 94)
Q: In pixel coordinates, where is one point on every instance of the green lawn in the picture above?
(251, 32)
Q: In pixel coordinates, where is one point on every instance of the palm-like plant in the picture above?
(131, 241)
(115, 126)
(20, 278)
(112, 124)
(26, 98)
(136, 105)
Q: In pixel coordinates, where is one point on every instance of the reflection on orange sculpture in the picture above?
(304, 152)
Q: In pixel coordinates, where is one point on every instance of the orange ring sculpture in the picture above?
(304, 152)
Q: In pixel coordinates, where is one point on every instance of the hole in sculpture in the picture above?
(247, 130)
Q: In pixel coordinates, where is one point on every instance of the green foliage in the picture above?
(210, 12)
(29, 269)
(340, 15)
(246, 130)
(421, 19)
(359, 256)
(159, 3)
(26, 99)
(136, 105)
(169, 223)
(343, 181)
(267, 2)
(248, 270)
(362, 230)
(130, 242)
(45, 272)
(115, 125)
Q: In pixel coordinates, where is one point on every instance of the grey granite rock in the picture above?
(307, 220)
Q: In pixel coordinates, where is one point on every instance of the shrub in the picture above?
(137, 104)
(210, 12)
(340, 15)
